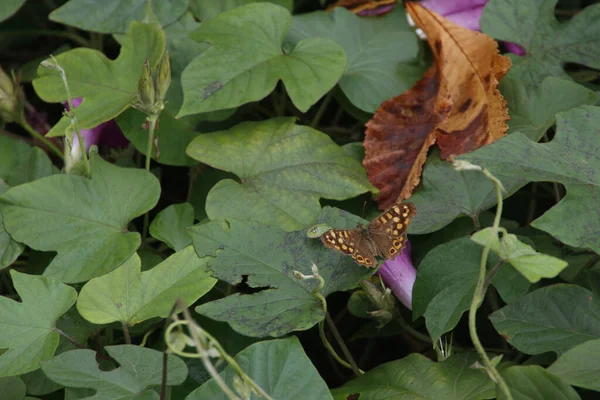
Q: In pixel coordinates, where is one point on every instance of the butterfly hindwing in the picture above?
(353, 242)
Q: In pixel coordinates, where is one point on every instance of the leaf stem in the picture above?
(126, 333)
(480, 292)
(152, 120)
(25, 125)
(338, 338)
(317, 118)
(409, 329)
(70, 339)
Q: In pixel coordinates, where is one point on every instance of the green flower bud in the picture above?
(162, 81)
(146, 88)
(12, 98)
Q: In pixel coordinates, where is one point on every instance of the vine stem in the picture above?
(25, 125)
(152, 120)
(317, 118)
(480, 292)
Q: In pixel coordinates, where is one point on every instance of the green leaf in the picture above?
(284, 170)
(575, 163)
(19, 163)
(445, 194)
(535, 383)
(203, 181)
(169, 225)
(548, 43)
(135, 378)
(266, 258)
(280, 367)
(533, 114)
(379, 50)
(205, 10)
(533, 265)
(27, 329)
(554, 318)
(84, 220)
(441, 293)
(12, 388)
(9, 7)
(108, 87)
(131, 296)
(246, 53)
(417, 377)
(579, 365)
(114, 16)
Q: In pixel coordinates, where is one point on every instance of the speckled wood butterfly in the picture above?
(384, 236)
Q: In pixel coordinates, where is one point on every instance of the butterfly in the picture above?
(384, 236)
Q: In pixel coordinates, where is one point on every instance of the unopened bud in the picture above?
(12, 98)
(162, 81)
(146, 88)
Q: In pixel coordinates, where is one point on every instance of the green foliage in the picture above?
(28, 329)
(170, 224)
(130, 296)
(379, 50)
(83, 220)
(9, 7)
(534, 382)
(578, 366)
(205, 10)
(267, 257)
(417, 377)
(277, 162)
(135, 378)
(211, 81)
(108, 87)
(280, 367)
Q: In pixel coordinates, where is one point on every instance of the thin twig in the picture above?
(340, 342)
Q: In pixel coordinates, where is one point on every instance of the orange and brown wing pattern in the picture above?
(388, 231)
(352, 243)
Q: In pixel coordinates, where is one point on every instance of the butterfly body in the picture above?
(384, 236)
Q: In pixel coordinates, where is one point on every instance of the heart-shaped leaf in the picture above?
(169, 225)
(213, 80)
(28, 328)
(379, 51)
(135, 378)
(417, 377)
(205, 10)
(131, 296)
(575, 162)
(554, 318)
(84, 220)
(280, 367)
(265, 257)
(108, 87)
(114, 16)
(284, 170)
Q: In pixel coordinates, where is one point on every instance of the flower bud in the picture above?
(12, 98)
(146, 88)
(162, 81)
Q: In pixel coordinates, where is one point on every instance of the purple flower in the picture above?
(466, 13)
(107, 133)
(399, 275)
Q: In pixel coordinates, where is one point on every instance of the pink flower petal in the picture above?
(445, 7)
(399, 275)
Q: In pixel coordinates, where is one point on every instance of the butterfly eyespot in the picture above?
(393, 251)
(360, 258)
(397, 243)
(368, 261)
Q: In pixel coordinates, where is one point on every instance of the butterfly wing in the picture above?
(388, 231)
(352, 242)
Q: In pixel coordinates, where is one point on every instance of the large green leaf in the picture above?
(548, 44)
(137, 377)
(554, 318)
(28, 328)
(19, 163)
(579, 365)
(9, 7)
(169, 225)
(571, 158)
(284, 170)
(12, 388)
(533, 114)
(84, 220)
(535, 383)
(280, 367)
(246, 61)
(417, 377)
(131, 296)
(379, 50)
(114, 16)
(108, 87)
(205, 10)
(265, 257)
(445, 194)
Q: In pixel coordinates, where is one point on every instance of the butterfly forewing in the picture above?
(385, 236)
